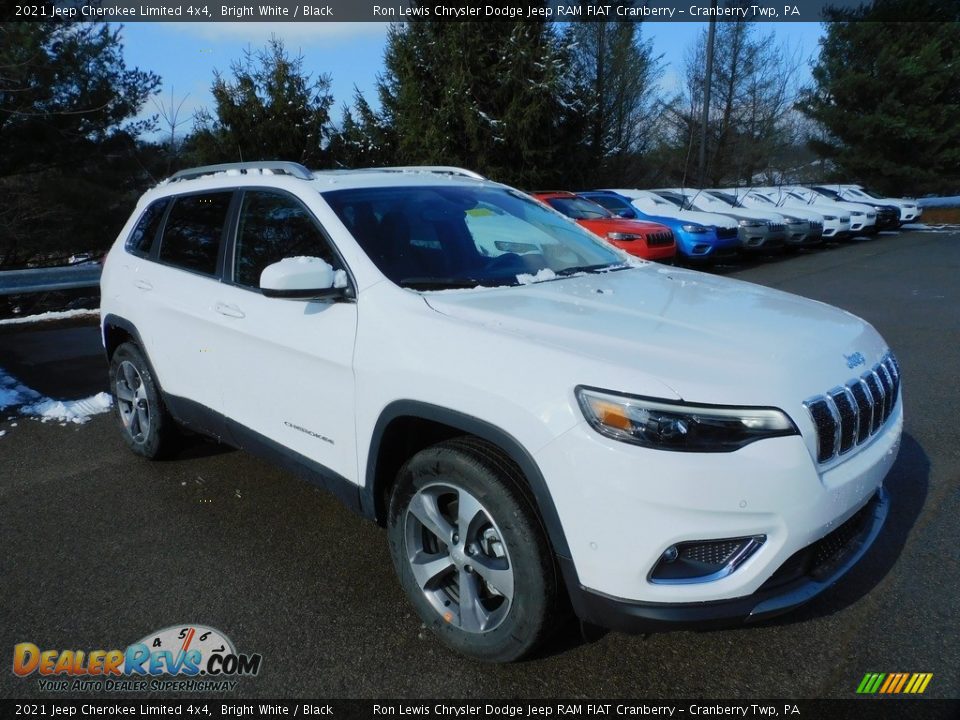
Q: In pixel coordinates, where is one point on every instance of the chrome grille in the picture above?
(775, 227)
(848, 415)
(726, 232)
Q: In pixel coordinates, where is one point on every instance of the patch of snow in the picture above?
(340, 279)
(12, 393)
(953, 201)
(75, 411)
(923, 227)
(52, 315)
(2, 433)
(541, 276)
(233, 172)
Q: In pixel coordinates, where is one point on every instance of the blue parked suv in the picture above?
(695, 242)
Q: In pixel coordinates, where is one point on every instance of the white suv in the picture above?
(539, 421)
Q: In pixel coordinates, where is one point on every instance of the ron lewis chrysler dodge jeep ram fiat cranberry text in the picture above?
(539, 420)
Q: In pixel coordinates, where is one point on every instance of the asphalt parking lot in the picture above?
(100, 548)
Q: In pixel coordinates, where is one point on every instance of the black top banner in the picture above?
(206, 709)
(456, 10)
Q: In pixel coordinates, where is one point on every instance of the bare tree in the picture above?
(752, 118)
(170, 115)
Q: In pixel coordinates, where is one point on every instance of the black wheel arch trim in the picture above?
(111, 320)
(482, 429)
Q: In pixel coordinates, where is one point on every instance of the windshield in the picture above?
(578, 208)
(673, 198)
(828, 193)
(864, 193)
(726, 197)
(431, 238)
(761, 198)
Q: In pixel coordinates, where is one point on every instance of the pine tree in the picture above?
(270, 110)
(618, 72)
(70, 171)
(363, 139)
(887, 95)
(491, 97)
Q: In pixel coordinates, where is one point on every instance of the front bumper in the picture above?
(804, 233)
(706, 246)
(629, 504)
(804, 576)
(758, 238)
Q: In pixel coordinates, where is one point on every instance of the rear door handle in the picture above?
(143, 284)
(229, 310)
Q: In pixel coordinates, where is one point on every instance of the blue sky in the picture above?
(186, 54)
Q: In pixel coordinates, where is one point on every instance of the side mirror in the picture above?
(626, 213)
(303, 278)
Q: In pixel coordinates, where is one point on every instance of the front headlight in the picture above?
(698, 229)
(622, 236)
(790, 220)
(829, 217)
(856, 213)
(752, 223)
(666, 425)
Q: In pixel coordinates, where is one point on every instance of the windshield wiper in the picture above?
(438, 283)
(590, 268)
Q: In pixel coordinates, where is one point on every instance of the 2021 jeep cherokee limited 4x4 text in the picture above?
(539, 421)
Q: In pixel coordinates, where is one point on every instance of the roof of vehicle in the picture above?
(285, 173)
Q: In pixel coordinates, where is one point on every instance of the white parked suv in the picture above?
(909, 210)
(540, 421)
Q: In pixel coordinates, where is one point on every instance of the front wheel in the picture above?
(469, 551)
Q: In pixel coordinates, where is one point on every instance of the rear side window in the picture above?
(274, 226)
(141, 239)
(194, 228)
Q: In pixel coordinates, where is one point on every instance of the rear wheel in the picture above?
(470, 553)
(146, 426)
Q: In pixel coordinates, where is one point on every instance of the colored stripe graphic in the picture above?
(894, 683)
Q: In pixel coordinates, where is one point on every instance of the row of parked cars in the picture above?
(716, 223)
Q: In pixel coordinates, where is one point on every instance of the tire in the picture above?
(145, 424)
(516, 595)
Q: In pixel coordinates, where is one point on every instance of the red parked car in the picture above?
(650, 241)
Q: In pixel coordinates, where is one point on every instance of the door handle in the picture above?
(229, 310)
(142, 284)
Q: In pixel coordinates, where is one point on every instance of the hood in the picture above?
(692, 216)
(804, 213)
(707, 338)
(747, 213)
(608, 225)
(858, 207)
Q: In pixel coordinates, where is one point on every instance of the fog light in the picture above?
(704, 560)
